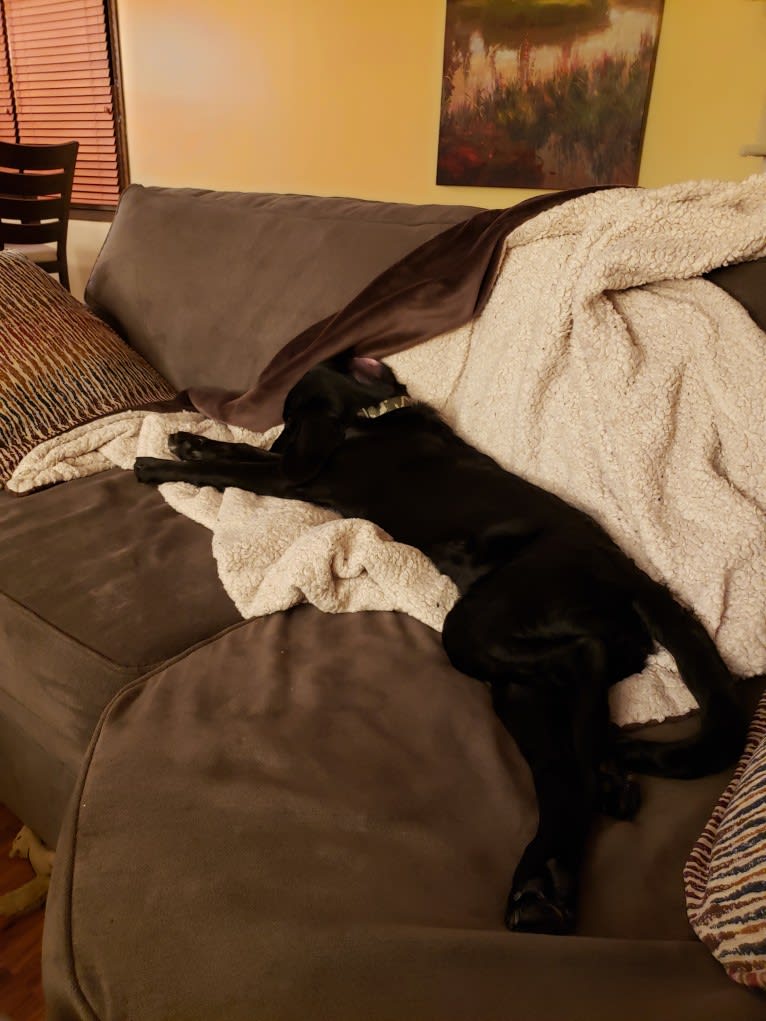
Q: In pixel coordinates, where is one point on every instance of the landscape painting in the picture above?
(546, 93)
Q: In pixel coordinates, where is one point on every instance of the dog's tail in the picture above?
(722, 724)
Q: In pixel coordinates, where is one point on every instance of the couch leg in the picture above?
(31, 895)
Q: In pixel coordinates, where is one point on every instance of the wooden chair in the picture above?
(35, 196)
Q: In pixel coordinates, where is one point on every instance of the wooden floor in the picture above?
(21, 995)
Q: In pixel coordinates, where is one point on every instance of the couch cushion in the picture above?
(59, 364)
(318, 817)
(632, 882)
(209, 285)
(99, 582)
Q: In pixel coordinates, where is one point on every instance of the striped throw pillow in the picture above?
(60, 366)
(725, 876)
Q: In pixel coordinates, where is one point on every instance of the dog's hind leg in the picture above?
(561, 740)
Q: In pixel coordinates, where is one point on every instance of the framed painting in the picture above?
(546, 93)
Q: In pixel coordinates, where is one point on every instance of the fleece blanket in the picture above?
(601, 368)
(633, 389)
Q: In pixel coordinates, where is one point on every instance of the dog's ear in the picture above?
(306, 443)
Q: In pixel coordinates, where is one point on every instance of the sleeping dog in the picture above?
(551, 612)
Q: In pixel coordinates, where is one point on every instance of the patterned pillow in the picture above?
(60, 366)
(725, 876)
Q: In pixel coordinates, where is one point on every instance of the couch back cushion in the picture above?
(209, 285)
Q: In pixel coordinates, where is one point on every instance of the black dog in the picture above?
(551, 612)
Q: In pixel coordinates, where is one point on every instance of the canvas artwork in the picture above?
(546, 93)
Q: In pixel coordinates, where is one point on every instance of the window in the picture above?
(59, 80)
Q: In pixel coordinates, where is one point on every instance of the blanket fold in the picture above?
(600, 367)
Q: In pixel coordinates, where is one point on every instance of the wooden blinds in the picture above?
(60, 81)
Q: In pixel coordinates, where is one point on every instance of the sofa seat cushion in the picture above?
(99, 582)
(110, 565)
(316, 816)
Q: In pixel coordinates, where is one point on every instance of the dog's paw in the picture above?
(187, 446)
(150, 470)
(542, 898)
(618, 795)
(533, 909)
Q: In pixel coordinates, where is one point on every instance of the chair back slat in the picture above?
(28, 233)
(38, 157)
(14, 183)
(28, 210)
(36, 186)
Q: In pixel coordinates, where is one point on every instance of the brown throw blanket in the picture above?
(438, 287)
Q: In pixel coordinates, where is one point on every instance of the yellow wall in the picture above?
(84, 240)
(342, 97)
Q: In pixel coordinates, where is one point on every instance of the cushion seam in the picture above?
(93, 653)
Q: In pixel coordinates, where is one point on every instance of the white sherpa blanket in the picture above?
(599, 369)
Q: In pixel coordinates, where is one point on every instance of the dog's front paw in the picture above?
(187, 446)
(151, 470)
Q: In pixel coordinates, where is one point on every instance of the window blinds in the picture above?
(60, 87)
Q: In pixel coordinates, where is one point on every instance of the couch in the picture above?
(299, 814)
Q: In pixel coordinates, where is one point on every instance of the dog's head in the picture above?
(323, 403)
